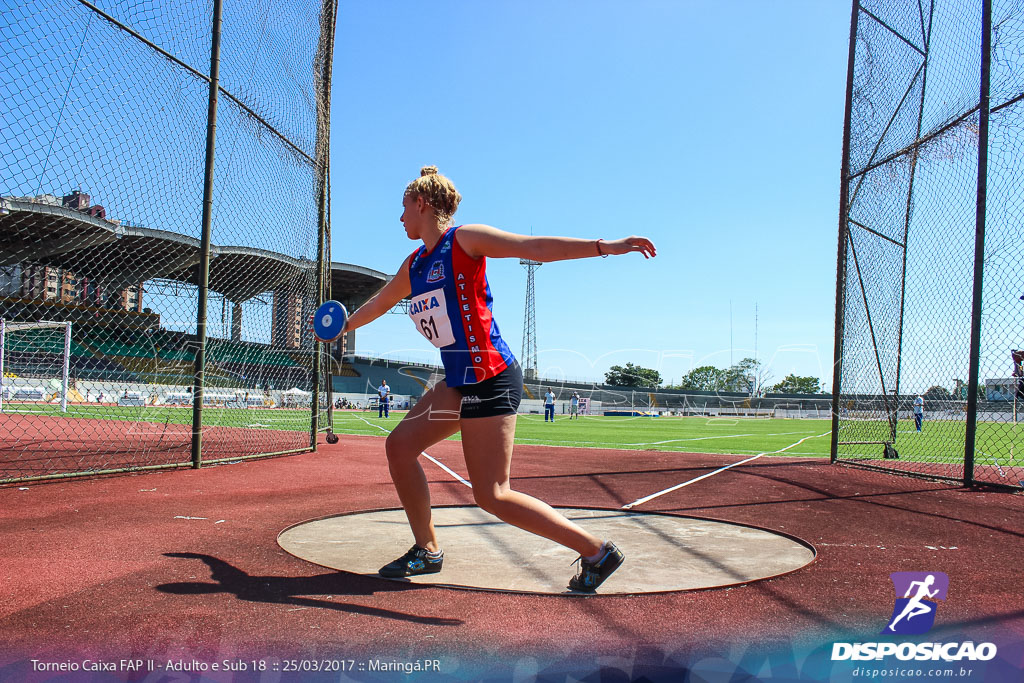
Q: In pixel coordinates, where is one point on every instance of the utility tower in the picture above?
(529, 355)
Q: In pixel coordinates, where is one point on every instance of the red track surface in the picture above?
(29, 448)
(185, 563)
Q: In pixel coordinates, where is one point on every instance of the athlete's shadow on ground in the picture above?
(288, 589)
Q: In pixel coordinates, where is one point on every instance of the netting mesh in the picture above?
(104, 110)
(907, 275)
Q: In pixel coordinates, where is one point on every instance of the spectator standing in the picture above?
(383, 398)
(549, 405)
(918, 412)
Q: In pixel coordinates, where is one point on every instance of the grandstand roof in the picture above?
(122, 255)
(353, 285)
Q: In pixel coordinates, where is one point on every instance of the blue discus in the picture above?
(329, 321)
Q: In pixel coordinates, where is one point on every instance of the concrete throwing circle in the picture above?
(663, 552)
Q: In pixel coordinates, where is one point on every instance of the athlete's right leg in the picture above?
(434, 417)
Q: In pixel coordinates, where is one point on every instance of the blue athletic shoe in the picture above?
(416, 561)
(593, 574)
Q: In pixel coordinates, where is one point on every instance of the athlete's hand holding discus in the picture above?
(451, 307)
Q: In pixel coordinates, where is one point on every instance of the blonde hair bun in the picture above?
(437, 191)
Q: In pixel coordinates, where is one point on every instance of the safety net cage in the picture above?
(929, 307)
(163, 231)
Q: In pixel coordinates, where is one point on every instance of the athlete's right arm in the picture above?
(396, 289)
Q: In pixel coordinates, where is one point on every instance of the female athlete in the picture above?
(451, 307)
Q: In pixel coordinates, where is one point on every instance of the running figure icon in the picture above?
(916, 607)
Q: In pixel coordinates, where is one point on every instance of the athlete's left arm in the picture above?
(483, 240)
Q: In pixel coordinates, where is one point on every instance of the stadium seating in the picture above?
(93, 368)
(366, 373)
(154, 357)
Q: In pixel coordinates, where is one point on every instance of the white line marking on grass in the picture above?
(704, 438)
(629, 506)
(697, 438)
(615, 445)
(553, 443)
(427, 456)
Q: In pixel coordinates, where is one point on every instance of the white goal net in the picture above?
(35, 361)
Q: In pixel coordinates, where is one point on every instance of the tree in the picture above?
(632, 376)
(794, 384)
(746, 376)
(938, 393)
(704, 378)
(960, 390)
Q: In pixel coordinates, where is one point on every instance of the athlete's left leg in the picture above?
(487, 444)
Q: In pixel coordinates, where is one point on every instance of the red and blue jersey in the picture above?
(451, 307)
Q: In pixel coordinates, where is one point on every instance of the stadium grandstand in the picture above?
(65, 261)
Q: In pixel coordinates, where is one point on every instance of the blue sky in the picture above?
(714, 128)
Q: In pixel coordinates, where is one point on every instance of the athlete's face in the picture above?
(414, 211)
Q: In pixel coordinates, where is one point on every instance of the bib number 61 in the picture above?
(429, 328)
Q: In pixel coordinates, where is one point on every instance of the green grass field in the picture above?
(682, 434)
(941, 441)
(998, 443)
(297, 420)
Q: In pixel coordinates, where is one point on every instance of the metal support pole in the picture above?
(844, 194)
(65, 369)
(314, 404)
(329, 348)
(3, 343)
(204, 255)
(908, 211)
(323, 70)
(970, 432)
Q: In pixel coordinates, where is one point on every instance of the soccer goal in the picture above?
(35, 361)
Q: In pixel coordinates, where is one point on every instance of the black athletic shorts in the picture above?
(499, 395)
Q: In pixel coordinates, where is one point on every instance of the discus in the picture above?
(329, 321)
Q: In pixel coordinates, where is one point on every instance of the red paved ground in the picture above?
(28, 447)
(112, 567)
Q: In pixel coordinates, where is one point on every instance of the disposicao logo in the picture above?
(913, 614)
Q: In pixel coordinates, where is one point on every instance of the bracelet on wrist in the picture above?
(599, 252)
